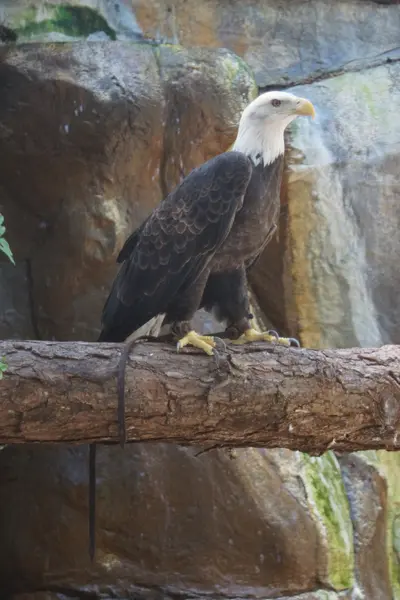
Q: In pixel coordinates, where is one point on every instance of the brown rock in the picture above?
(166, 520)
(200, 119)
(81, 143)
(87, 132)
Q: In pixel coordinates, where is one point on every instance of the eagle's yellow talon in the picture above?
(252, 335)
(203, 342)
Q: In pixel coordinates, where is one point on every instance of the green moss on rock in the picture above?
(329, 505)
(235, 68)
(75, 21)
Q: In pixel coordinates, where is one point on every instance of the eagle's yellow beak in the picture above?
(305, 108)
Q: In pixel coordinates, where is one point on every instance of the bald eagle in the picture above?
(195, 247)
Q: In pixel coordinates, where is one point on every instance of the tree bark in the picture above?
(256, 395)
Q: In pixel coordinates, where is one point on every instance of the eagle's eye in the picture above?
(276, 102)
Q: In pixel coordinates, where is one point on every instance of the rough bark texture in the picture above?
(308, 400)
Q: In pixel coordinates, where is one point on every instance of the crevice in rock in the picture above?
(31, 302)
(389, 57)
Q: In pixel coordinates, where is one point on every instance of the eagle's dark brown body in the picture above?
(193, 250)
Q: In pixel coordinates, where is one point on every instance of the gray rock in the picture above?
(341, 190)
(284, 42)
(97, 36)
(367, 493)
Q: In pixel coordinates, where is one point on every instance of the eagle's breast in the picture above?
(255, 221)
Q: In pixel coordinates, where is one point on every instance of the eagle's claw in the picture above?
(293, 342)
(203, 342)
(252, 335)
(274, 333)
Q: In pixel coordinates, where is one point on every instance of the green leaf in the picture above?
(4, 247)
(3, 367)
(2, 230)
(1, 219)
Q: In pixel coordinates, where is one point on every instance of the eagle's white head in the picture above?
(263, 123)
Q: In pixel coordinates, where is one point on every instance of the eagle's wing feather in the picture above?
(173, 246)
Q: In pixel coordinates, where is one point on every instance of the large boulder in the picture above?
(91, 141)
(255, 524)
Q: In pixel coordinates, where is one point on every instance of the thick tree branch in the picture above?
(257, 395)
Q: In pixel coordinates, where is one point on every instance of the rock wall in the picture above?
(92, 134)
(344, 212)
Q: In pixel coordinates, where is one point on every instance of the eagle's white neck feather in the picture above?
(262, 144)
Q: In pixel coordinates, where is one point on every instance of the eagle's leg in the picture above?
(181, 312)
(226, 294)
